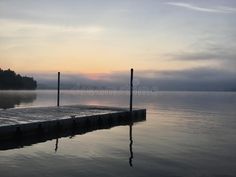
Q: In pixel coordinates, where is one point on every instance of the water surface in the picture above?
(185, 134)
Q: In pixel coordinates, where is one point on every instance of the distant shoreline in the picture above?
(9, 80)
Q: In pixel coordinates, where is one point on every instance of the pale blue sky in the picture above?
(95, 36)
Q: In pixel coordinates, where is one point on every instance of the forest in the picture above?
(9, 80)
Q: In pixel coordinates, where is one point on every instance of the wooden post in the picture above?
(131, 90)
(58, 89)
(131, 118)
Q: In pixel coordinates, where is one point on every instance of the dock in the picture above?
(51, 122)
(26, 126)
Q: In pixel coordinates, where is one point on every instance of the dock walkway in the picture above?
(30, 121)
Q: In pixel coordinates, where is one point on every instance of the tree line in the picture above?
(10, 80)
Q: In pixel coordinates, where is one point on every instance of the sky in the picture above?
(109, 36)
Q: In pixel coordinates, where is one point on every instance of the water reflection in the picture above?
(56, 145)
(9, 99)
(131, 144)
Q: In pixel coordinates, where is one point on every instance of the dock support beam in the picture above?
(131, 90)
(131, 119)
(58, 89)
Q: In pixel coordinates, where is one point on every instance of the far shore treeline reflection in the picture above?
(10, 80)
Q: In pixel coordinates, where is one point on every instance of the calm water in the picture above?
(185, 134)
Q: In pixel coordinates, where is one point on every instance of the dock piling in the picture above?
(131, 89)
(58, 89)
(131, 119)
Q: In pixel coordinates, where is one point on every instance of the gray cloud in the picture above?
(217, 55)
(220, 9)
(220, 51)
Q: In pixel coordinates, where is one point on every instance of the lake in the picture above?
(185, 134)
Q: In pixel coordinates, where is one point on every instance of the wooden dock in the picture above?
(59, 121)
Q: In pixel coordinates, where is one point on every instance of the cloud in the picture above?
(14, 27)
(204, 55)
(220, 9)
(220, 52)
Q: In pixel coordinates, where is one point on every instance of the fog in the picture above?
(197, 79)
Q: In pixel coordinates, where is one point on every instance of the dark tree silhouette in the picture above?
(10, 80)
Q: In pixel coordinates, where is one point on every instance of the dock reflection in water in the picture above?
(75, 130)
(130, 122)
(21, 142)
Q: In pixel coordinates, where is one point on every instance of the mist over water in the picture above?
(185, 134)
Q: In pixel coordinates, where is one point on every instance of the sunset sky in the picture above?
(102, 36)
